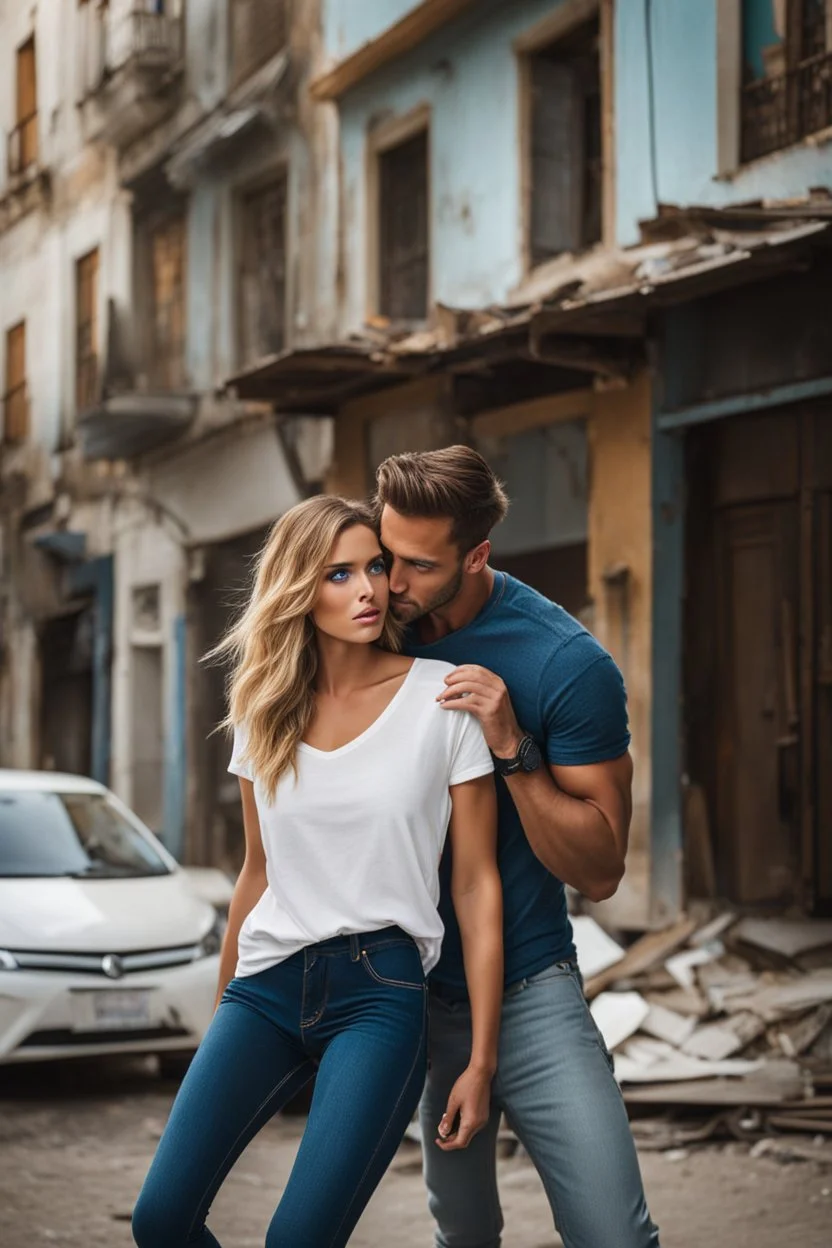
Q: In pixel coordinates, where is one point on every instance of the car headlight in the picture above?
(211, 942)
(8, 962)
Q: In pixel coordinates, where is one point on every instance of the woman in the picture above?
(350, 776)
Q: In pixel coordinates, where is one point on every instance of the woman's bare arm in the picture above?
(478, 901)
(250, 886)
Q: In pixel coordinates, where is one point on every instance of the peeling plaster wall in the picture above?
(685, 109)
(468, 74)
(620, 538)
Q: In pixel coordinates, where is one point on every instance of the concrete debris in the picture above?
(618, 1015)
(704, 1014)
(597, 951)
(682, 965)
(789, 937)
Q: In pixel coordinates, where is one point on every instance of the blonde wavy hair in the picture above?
(272, 648)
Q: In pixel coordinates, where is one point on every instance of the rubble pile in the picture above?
(731, 1017)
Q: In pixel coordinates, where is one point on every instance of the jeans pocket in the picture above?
(395, 966)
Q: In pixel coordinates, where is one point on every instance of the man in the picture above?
(553, 709)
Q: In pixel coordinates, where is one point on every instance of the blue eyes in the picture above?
(341, 575)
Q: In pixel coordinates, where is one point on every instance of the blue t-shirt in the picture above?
(569, 695)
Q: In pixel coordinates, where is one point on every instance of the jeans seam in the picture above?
(240, 1136)
(599, 1039)
(392, 1115)
(388, 983)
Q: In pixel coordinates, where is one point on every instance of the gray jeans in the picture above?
(556, 1088)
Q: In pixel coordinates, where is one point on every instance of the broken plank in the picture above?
(648, 951)
(716, 1041)
(668, 1025)
(789, 937)
(794, 1038)
(781, 996)
(774, 1083)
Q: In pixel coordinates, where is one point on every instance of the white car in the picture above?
(105, 946)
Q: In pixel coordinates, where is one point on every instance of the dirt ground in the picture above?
(76, 1140)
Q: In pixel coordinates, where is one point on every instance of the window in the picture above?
(86, 330)
(263, 272)
(403, 230)
(258, 32)
(16, 400)
(564, 145)
(23, 140)
(167, 249)
(787, 73)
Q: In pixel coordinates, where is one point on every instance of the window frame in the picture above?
(381, 139)
(85, 398)
(13, 435)
(560, 24)
(268, 179)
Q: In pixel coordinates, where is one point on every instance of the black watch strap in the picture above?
(527, 758)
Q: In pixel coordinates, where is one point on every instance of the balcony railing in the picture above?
(16, 414)
(23, 146)
(150, 40)
(782, 110)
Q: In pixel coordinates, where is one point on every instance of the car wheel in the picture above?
(174, 1065)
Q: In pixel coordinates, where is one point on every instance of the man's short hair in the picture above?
(455, 483)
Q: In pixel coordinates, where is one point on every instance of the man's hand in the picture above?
(485, 695)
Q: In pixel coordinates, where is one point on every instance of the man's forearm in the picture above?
(569, 835)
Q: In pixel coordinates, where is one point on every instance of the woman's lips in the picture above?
(368, 617)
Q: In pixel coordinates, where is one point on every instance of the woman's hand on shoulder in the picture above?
(470, 1100)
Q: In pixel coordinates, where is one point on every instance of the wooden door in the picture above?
(758, 730)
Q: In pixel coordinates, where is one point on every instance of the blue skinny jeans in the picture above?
(353, 1008)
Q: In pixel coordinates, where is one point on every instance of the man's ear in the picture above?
(477, 558)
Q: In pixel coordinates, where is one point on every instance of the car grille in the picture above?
(110, 965)
(62, 1036)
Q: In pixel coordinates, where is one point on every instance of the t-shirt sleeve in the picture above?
(239, 765)
(584, 711)
(470, 756)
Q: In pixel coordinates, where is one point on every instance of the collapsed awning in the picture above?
(576, 316)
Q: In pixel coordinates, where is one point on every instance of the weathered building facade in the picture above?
(651, 381)
(161, 186)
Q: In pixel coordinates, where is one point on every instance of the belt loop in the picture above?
(355, 948)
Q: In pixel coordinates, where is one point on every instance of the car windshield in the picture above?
(82, 835)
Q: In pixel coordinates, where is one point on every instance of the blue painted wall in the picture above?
(684, 37)
(468, 74)
(349, 23)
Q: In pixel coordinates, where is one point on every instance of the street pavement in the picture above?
(76, 1140)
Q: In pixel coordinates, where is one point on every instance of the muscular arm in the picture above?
(577, 821)
(250, 886)
(576, 818)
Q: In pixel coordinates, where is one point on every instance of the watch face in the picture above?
(530, 756)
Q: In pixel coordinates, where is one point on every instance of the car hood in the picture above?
(101, 916)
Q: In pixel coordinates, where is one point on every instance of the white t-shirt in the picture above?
(353, 845)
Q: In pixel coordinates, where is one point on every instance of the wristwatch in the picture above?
(527, 758)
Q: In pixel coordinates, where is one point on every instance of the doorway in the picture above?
(758, 652)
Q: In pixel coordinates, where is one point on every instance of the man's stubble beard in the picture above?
(445, 595)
